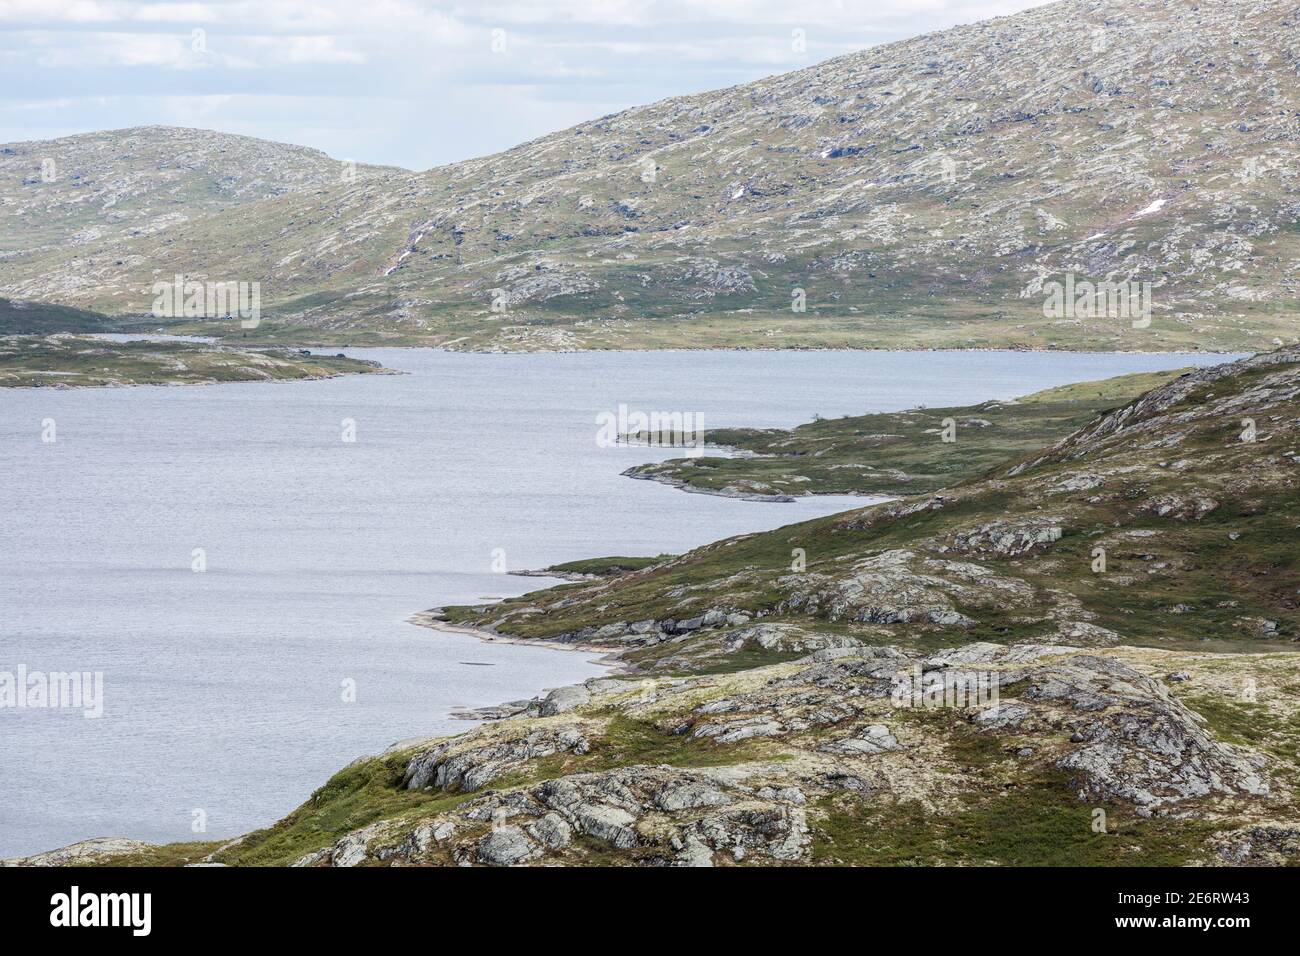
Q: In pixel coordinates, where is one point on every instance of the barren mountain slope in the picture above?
(95, 190)
(919, 193)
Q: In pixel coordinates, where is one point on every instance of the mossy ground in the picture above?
(1037, 822)
(1252, 724)
(1228, 579)
(607, 567)
(166, 855)
(900, 453)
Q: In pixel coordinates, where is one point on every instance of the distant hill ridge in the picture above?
(920, 194)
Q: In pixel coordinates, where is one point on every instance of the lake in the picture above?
(232, 691)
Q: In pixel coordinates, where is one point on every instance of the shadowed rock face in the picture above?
(955, 174)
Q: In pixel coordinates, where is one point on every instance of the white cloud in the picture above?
(57, 11)
(414, 82)
(300, 50)
(124, 50)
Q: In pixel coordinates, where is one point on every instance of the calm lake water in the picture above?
(224, 690)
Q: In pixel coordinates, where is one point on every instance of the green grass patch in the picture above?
(608, 567)
(36, 361)
(1249, 724)
(1038, 822)
(354, 797)
(901, 452)
(166, 855)
(628, 741)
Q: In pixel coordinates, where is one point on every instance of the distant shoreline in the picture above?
(750, 348)
(430, 620)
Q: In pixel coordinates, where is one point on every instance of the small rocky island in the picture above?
(71, 361)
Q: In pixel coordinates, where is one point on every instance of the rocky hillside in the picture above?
(1132, 757)
(1169, 521)
(1086, 657)
(87, 194)
(761, 720)
(922, 193)
(1086, 759)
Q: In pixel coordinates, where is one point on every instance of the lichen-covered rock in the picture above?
(1136, 743)
(790, 637)
(506, 846)
(552, 831)
(902, 587)
(733, 731)
(87, 851)
(1002, 716)
(779, 832)
(454, 765)
(1005, 538)
(873, 739)
(1082, 634)
(564, 699)
(1185, 507)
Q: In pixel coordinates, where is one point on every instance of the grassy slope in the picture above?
(896, 452)
(72, 361)
(1170, 579)
(347, 318)
(43, 318)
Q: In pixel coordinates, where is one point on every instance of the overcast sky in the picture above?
(415, 83)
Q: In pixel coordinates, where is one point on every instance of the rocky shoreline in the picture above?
(1084, 656)
(561, 575)
(434, 620)
(681, 485)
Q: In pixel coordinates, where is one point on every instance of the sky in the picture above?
(414, 83)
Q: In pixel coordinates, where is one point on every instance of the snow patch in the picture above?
(1154, 207)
